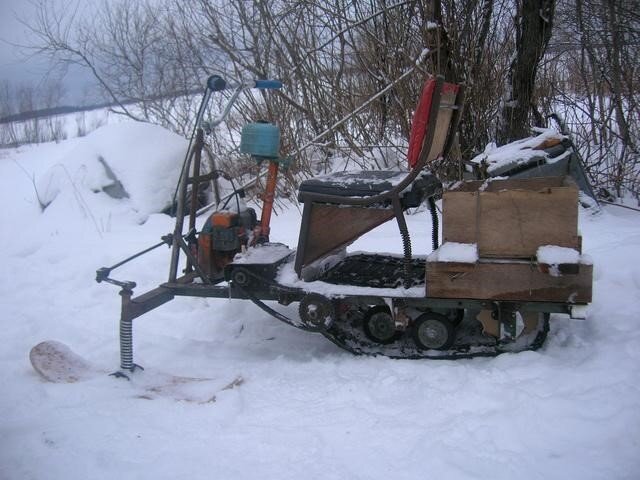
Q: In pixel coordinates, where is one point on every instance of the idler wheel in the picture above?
(317, 312)
(432, 331)
(379, 325)
(241, 277)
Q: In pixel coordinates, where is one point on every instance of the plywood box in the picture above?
(515, 280)
(512, 218)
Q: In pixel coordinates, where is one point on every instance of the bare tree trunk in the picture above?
(616, 83)
(444, 64)
(534, 28)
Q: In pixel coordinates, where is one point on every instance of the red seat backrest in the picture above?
(420, 120)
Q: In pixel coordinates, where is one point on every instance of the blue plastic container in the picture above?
(260, 140)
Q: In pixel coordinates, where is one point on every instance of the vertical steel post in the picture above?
(269, 195)
(177, 231)
(195, 184)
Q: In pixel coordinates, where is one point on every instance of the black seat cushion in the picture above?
(367, 183)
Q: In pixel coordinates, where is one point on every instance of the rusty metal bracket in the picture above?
(102, 274)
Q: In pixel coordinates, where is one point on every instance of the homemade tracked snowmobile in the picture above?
(511, 253)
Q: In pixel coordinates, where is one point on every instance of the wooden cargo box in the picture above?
(512, 218)
(508, 280)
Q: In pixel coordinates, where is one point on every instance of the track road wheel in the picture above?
(241, 277)
(379, 326)
(317, 312)
(432, 331)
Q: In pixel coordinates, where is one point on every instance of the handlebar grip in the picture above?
(216, 83)
(268, 84)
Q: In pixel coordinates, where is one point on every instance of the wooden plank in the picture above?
(514, 223)
(512, 218)
(334, 226)
(512, 281)
(494, 185)
(459, 217)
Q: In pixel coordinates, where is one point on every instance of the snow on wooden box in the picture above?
(512, 218)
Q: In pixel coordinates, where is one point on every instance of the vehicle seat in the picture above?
(342, 206)
(367, 183)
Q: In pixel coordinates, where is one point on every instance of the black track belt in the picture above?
(469, 343)
(377, 271)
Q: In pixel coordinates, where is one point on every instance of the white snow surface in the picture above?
(520, 151)
(262, 255)
(306, 409)
(455, 252)
(555, 255)
(288, 277)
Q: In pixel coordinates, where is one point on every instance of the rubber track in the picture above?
(351, 339)
(354, 341)
(377, 271)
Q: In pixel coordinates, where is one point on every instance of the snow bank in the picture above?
(144, 159)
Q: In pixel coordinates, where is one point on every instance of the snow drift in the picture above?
(137, 161)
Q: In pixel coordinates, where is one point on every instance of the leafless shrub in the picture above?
(332, 57)
(337, 56)
(595, 87)
(26, 99)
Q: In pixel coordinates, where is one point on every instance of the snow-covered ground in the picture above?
(306, 409)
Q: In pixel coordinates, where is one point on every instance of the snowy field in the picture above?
(305, 409)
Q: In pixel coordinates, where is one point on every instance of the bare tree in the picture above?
(596, 60)
(353, 70)
(8, 134)
(478, 38)
(20, 106)
(534, 23)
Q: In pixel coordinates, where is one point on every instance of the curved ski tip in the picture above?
(55, 362)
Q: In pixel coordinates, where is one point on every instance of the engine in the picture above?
(225, 233)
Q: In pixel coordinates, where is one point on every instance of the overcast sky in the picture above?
(12, 66)
(15, 68)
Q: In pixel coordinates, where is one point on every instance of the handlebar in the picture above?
(216, 83)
